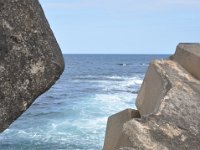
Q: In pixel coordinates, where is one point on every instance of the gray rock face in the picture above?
(30, 58)
(168, 102)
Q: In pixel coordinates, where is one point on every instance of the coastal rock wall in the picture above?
(30, 58)
(168, 103)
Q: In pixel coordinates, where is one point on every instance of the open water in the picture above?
(72, 115)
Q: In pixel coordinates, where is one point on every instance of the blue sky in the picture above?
(123, 26)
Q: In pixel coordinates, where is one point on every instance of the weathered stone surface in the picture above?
(169, 102)
(114, 136)
(30, 58)
(175, 125)
(188, 55)
(152, 91)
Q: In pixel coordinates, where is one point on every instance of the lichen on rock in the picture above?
(30, 58)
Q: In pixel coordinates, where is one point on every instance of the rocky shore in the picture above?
(168, 107)
(168, 102)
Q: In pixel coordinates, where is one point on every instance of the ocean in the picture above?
(72, 115)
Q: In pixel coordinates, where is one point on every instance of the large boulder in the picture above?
(175, 124)
(168, 102)
(30, 58)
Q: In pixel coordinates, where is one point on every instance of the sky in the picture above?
(123, 26)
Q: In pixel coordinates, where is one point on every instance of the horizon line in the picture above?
(114, 54)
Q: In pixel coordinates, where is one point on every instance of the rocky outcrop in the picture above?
(30, 58)
(168, 102)
(114, 128)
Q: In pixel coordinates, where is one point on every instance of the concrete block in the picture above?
(152, 90)
(188, 56)
(114, 128)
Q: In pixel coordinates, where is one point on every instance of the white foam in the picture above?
(107, 97)
(88, 116)
(54, 126)
(113, 77)
(126, 84)
(138, 81)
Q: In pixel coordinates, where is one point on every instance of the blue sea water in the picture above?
(72, 115)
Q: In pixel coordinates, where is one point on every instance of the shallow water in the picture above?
(72, 115)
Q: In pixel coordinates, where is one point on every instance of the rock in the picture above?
(175, 124)
(168, 102)
(114, 128)
(30, 58)
(188, 55)
(152, 91)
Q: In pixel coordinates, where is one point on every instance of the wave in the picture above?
(112, 78)
(130, 85)
(108, 84)
(97, 78)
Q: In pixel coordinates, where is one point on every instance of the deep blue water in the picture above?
(72, 115)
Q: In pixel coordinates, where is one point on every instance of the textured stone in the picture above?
(153, 89)
(114, 137)
(175, 125)
(30, 58)
(188, 55)
(169, 102)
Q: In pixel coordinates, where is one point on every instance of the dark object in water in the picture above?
(123, 64)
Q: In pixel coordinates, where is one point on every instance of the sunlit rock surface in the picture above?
(169, 102)
(30, 58)
(114, 135)
(188, 55)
